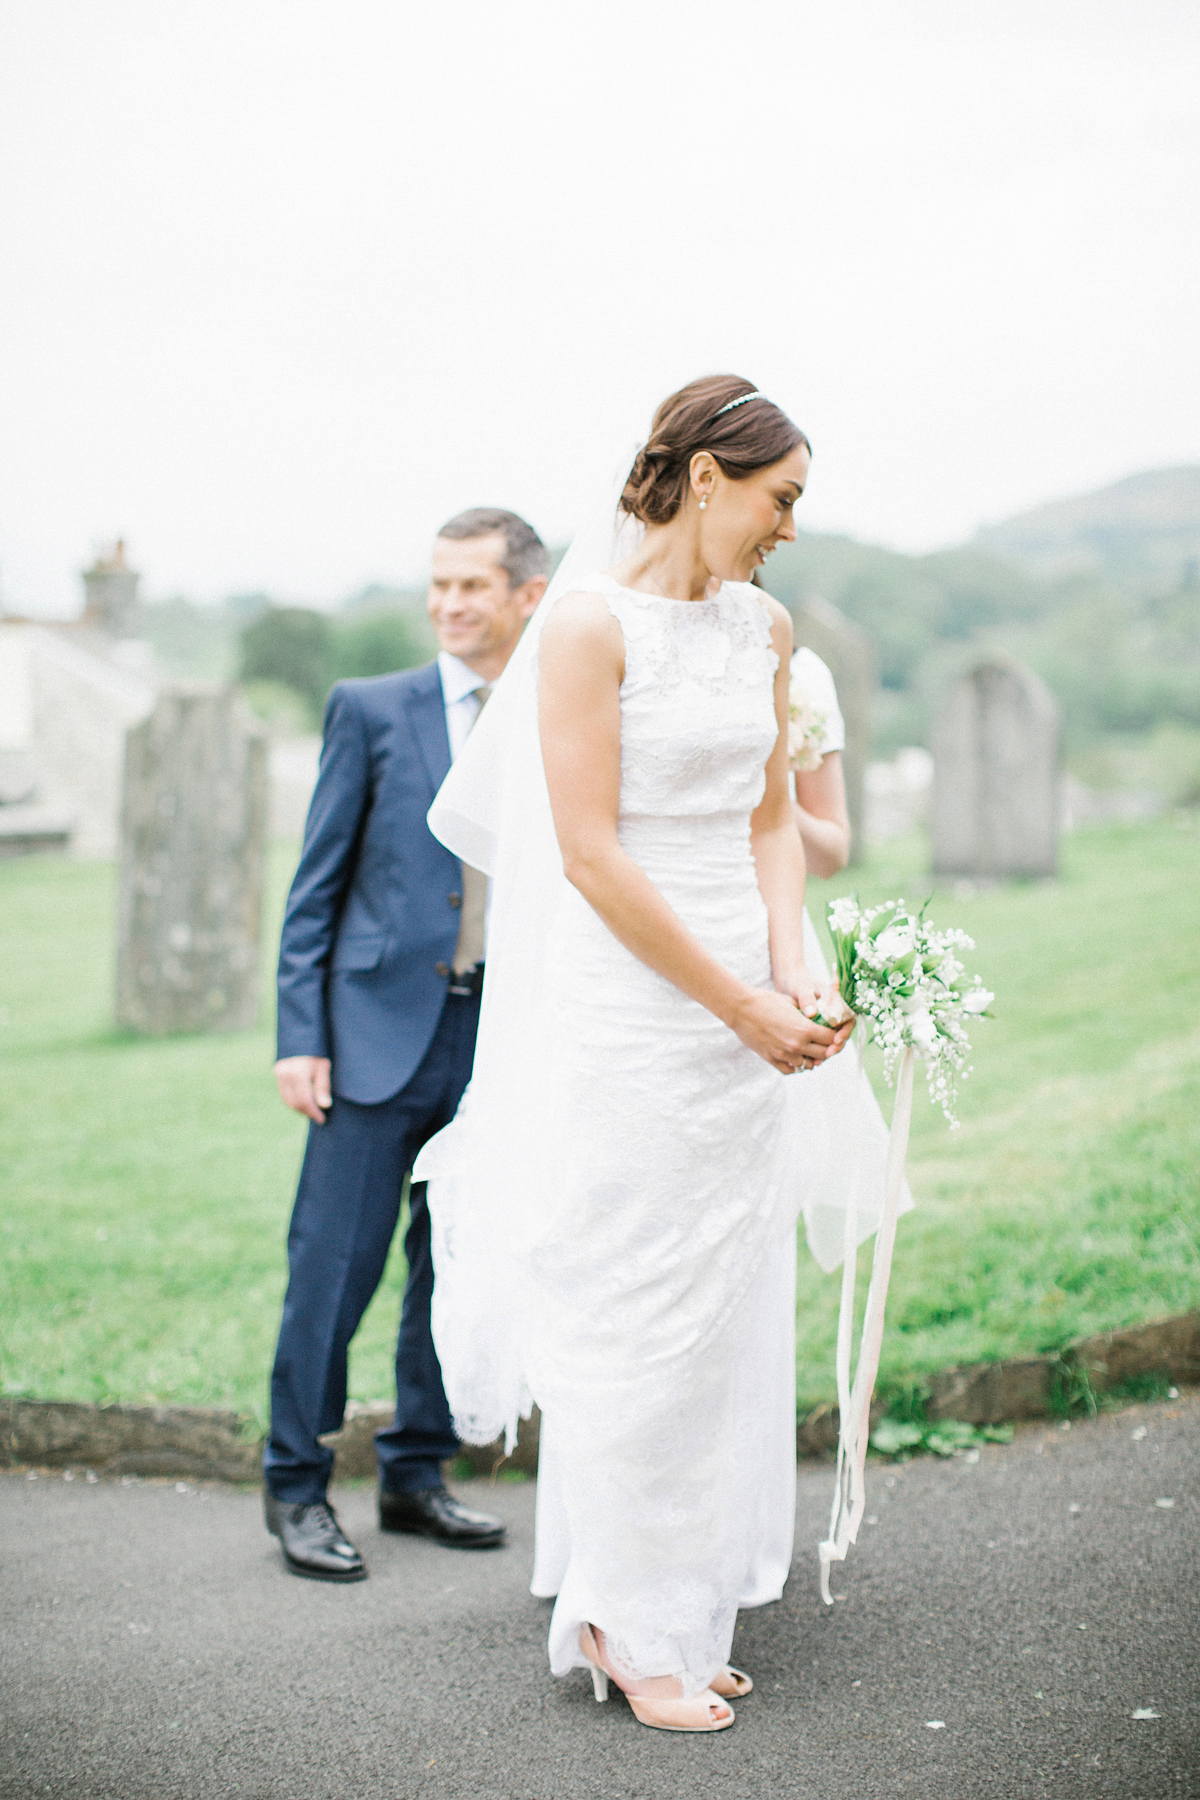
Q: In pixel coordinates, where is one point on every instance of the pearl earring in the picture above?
(703, 502)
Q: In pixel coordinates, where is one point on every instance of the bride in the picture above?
(614, 1206)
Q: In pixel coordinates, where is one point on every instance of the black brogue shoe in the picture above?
(434, 1512)
(313, 1542)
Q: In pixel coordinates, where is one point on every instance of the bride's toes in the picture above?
(705, 1712)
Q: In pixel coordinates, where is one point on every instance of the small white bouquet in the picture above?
(808, 728)
(906, 980)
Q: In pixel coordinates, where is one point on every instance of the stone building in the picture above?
(68, 694)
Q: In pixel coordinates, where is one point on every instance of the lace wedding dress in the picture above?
(614, 1205)
(661, 1279)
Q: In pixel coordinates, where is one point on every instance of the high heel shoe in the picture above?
(703, 1712)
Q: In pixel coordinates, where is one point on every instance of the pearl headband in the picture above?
(741, 401)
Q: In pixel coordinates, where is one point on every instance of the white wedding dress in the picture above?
(663, 1278)
(614, 1205)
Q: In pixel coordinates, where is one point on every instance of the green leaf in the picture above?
(949, 1435)
(891, 1436)
(997, 1434)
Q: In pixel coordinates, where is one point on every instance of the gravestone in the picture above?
(850, 654)
(193, 819)
(995, 775)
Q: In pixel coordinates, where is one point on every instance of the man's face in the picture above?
(476, 614)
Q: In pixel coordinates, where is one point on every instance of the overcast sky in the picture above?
(286, 283)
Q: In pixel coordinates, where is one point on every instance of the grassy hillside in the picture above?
(1145, 528)
(1115, 635)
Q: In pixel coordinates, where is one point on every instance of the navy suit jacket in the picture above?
(373, 915)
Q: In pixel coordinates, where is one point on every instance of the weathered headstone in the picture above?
(193, 822)
(995, 775)
(850, 655)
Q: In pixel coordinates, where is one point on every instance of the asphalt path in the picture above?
(997, 1632)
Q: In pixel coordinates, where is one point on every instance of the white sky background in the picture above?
(286, 283)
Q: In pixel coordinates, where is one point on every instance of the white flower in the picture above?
(808, 729)
(922, 1032)
(896, 941)
(844, 916)
(906, 986)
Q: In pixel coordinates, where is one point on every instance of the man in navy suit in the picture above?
(380, 973)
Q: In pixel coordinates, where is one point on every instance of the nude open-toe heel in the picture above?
(590, 1648)
(695, 1714)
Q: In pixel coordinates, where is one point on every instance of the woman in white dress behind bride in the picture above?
(614, 1207)
(837, 1116)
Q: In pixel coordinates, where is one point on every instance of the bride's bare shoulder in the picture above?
(779, 619)
(582, 618)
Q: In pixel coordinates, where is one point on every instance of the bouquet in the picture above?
(906, 981)
(808, 729)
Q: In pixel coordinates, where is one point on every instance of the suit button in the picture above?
(455, 900)
(441, 968)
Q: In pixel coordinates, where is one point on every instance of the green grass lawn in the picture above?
(1069, 1199)
(147, 1185)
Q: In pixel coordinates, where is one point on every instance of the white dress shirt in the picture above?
(460, 697)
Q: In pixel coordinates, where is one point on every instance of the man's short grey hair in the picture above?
(525, 555)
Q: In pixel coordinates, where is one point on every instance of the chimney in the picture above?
(110, 594)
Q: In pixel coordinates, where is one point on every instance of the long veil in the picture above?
(493, 811)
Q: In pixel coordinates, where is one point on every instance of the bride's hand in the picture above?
(823, 1000)
(772, 1025)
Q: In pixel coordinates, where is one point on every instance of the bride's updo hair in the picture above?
(750, 437)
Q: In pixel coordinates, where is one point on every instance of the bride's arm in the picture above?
(581, 661)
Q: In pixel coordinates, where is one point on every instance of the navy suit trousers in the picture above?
(347, 1205)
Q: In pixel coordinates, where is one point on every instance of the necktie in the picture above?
(474, 896)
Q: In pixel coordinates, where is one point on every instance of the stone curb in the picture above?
(1027, 1387)
(205, 1443)
(210, 1444)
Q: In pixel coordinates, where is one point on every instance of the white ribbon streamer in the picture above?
(854, 1403)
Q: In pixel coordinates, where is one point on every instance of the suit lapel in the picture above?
(427, 715)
